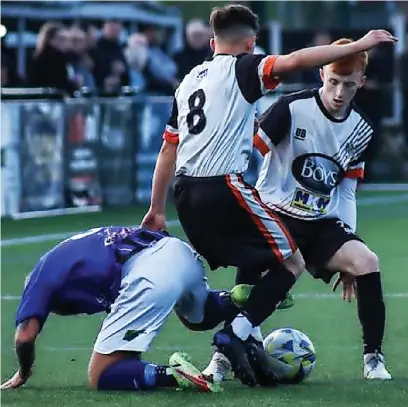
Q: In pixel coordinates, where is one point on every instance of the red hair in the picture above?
(347, 65)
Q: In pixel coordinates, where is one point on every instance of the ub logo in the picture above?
(300, 134)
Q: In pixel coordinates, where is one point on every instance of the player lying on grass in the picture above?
(314, 144)
(135, 275)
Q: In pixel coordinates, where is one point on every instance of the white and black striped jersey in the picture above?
(307, 155)
(214, 112)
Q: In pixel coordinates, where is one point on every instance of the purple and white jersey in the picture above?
(82, 274)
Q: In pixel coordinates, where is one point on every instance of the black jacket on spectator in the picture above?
(156, 85)
(50, 69)
(103, 55)
(10, 78)
(188, 58)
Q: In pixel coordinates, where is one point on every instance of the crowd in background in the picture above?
(74, 57)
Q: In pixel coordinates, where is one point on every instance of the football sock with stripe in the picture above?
(133, 375)
(371, 311)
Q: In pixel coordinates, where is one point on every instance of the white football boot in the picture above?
(218, 368)
(374, 367)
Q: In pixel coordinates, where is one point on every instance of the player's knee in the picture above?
(365, 263)
(97, 366)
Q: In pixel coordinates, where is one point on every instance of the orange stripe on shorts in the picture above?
(258, 222)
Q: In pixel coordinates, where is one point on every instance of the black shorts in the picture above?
(226, 222)
(318, 241)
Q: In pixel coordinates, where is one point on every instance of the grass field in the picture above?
(64, 347)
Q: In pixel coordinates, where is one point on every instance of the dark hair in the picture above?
(234, 20)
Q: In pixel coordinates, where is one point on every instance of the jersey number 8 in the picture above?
(196, 119)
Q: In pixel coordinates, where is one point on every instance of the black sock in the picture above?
(267, 293)
(163, 378)
(247, 276)
(218, 308)
(371, 311)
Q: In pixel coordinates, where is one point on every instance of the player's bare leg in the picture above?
(356, 259)
(98, 363)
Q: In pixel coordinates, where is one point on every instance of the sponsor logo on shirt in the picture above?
(318, 173)
(310, 202)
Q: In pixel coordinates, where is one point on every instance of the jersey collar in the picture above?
(217, 55)
(326, 112)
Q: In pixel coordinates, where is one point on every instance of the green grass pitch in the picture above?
(60, 375)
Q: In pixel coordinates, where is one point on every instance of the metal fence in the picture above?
(82, 152)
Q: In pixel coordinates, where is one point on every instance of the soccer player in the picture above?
(135, 275)
(207, 144)
(314, 143)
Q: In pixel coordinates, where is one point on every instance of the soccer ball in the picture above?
(292, 354)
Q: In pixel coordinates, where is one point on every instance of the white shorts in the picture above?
(153, 282)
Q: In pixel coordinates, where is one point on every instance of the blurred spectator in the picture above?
(404, 83)
(197, 48)
(79, 59)
(375, 88)
(110, 68)
(92, 33)
(50, 66)
(311, 77)
(259, 50)
(136, 55)
(160, 71)
(373, 98)
(9, 75)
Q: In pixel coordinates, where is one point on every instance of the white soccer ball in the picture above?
(292, 354)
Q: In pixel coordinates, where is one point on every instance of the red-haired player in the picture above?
(314, 143)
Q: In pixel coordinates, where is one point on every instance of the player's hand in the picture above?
(376, 37)
(154, 221)
(349, 286)
(15, 382)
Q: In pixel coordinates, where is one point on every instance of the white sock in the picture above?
(241, 327)
(257, 334)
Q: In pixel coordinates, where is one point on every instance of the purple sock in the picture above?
(131, 374)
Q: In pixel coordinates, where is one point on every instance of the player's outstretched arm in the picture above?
(322, 55)
(26, 334)
(162, 177)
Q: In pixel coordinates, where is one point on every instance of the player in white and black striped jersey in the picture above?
(209, 135)
(314, 144)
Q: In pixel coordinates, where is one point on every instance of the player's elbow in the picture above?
(27, 330)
